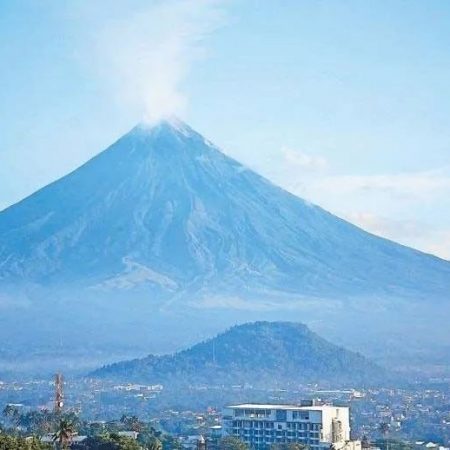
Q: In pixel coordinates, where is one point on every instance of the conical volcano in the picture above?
(163, 206)
(163, 216)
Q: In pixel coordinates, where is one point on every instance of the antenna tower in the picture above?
(59, 396)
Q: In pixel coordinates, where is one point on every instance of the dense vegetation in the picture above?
(260, 353)
(24, 431)
(8, 442)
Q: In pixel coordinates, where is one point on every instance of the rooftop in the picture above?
(281, 406)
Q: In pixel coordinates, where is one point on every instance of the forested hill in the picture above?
(259, 353)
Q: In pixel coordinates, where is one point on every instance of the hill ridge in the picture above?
(261, 353)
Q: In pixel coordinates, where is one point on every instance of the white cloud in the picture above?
(391, 228)
(421, 184)
(411, 208)
(299, 160)
(144, 54)
(439, 244)
(420, 235)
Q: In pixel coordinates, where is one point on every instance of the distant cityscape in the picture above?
(342, 419)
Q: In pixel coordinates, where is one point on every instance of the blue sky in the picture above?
(345, 103)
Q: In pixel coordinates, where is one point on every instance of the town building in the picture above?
(320, 427)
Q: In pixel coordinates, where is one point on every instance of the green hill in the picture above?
(259, 353)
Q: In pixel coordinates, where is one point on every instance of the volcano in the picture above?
(162, 224)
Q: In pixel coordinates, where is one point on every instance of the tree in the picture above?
(383, 428)
(170, 443)
(365, 444)
(108, 442)
(154, 444)
(36, 422)
(148, 440)
(122, 442)
(152, 439)
(232, 443)
(64, 433)
(131, 422)
(8, 442)
(11, 412)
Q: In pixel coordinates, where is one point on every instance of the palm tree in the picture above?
(64, 433)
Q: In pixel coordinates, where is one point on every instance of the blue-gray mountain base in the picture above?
(162, 240)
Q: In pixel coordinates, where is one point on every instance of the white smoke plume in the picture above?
(145, 53)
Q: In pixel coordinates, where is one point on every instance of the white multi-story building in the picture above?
(317, 426)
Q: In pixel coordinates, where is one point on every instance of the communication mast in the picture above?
(59, 396)
(201, 443)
